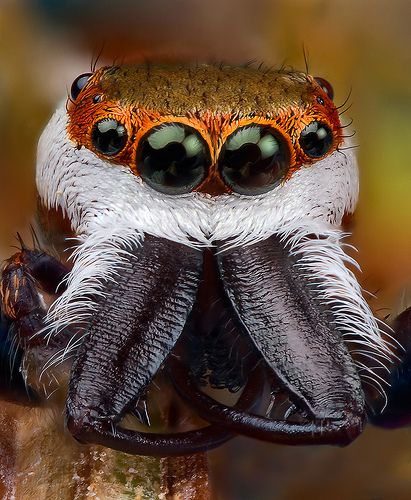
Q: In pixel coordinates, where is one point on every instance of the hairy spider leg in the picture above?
(22, 314)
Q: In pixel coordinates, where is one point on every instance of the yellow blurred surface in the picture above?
(359, 46)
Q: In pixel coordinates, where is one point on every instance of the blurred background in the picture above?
(360, 47)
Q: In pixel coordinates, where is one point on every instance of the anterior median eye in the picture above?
(109, 136)
(173, 158)
(316, 139)
(254, 160)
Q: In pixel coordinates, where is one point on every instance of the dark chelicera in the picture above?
(239, 319)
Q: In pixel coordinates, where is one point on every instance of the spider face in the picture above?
(197, 155)
(206, 203)
(209, 130)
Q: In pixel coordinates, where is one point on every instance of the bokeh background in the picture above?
(361, 47)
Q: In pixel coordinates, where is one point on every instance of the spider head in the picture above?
(159, 169)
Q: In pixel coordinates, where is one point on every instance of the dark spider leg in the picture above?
(298, 342)
(22, 303)
(22, 313)
(395, 411)
(12, 383)
(132, 333)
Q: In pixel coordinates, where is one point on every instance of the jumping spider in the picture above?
(196, 214)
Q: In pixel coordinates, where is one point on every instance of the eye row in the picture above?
(174, 158)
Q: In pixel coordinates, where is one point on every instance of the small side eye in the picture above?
(78, 84)
(254, 160)
(109, 136)
(326, 86)
(316, 139)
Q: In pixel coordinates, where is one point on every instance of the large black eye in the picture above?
(316, 139)
(173, 158)
(109, 136)
(326, 86)
(78, 84)
(254, 160)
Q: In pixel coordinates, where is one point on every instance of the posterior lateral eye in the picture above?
(326, 86)
(254, 160)
(78, 84)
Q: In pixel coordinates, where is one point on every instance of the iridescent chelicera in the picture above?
(189, 235)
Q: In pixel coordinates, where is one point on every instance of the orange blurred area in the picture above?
(363, 48)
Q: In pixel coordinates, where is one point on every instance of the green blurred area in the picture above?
(361, 47)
